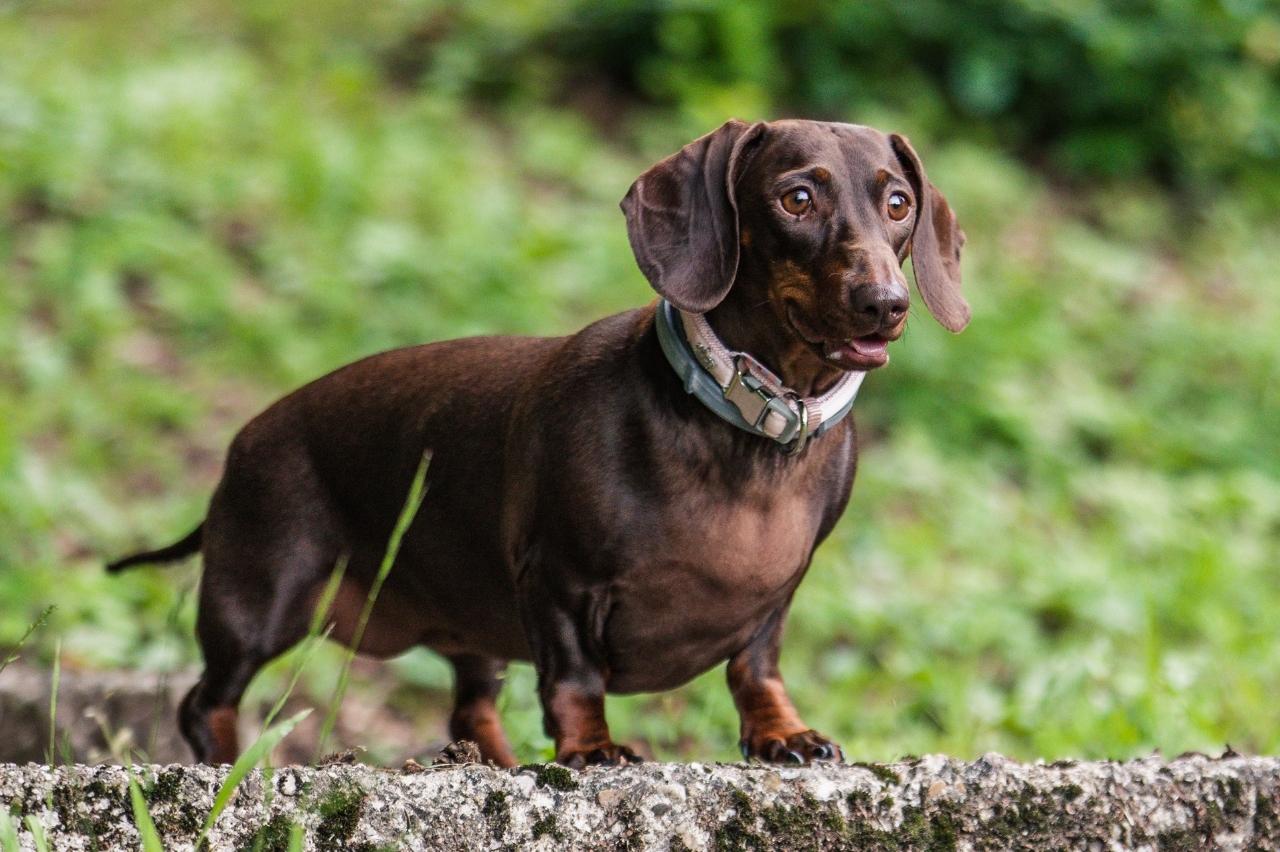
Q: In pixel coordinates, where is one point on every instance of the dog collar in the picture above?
(741, 390)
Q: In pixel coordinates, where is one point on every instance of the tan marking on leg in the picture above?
(480, 722)
(578, 721)
(767, 711)
(222, 730)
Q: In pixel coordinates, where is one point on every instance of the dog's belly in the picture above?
(701, 594)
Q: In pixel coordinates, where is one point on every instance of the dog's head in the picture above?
(816, 218)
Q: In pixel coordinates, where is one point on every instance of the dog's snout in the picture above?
(880, 304)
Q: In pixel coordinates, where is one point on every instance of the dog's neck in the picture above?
(748, 321)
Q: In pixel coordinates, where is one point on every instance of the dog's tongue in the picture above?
(868, 351)
(870, 346)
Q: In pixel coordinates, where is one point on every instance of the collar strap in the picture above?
(741, 390)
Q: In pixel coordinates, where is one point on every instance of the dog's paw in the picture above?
(804, 747)
(610, 754)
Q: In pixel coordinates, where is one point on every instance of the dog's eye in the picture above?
(797, 201)
(899, 206)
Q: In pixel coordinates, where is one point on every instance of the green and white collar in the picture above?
(741, 390)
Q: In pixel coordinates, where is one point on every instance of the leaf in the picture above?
(37, 833)
(142, 817)
(252, 756)
(8, 835)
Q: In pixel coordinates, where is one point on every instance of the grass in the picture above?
(16, 652)
(251, 758)
(8, 834)
(417, 492)
(51, 752)
(151, 841)
(38, 835)
(1064, 536)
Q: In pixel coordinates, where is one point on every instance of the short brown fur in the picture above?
(583, 511)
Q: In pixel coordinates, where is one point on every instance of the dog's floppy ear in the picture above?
(935, 244)
(682, 217)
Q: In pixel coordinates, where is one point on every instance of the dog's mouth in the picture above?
(860, 353)
(863, 352)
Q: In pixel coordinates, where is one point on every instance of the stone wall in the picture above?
(934, 803)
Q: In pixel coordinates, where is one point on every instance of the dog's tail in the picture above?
(179, 549)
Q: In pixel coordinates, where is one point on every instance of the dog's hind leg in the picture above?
(267, 554)
(240, 631)
(477, 682)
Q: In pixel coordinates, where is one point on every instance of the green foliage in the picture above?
(1066, 528)
(1186, 90)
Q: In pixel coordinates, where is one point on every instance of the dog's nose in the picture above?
(882, 304)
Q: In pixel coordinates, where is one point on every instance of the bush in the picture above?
(1185, 91)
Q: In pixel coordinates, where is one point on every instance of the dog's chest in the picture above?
(710, 573)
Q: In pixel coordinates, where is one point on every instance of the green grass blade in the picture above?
(37, 833)
(252, 756)
(314, 636)
(297, 837)
(326, 597)
(9, 834)
(51, 756)
(142, 818)
(313, 643)
(417, 491)
(17, 649)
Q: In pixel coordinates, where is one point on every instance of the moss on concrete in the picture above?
(547, 826)
(497, 812)
(551, 775)
(340, 810)
(273, 836)
(881, 772)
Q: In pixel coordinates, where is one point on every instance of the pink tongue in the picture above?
(872, 346)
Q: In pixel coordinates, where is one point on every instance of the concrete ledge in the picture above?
(934, 803)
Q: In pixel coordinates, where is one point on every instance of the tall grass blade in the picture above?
(313, 641)
(327, 596)
(252, 756)
(314, 636)
(417, 491)
(37, 833)
(142, 818)
(8, 834)
(35, 625)
(51, 755)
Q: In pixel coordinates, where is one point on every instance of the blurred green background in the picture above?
(1065, 537)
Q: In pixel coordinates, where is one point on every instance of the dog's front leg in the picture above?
(771, 729)
(571, 679)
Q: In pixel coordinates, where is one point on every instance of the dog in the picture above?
(624, 507)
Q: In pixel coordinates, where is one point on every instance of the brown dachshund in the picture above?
(591, 506)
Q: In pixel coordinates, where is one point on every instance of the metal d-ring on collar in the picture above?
(745, 401)
(803, 437)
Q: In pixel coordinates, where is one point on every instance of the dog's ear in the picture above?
(935, 244)
(682, 217)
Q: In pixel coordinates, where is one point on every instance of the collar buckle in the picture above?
(756, 402)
